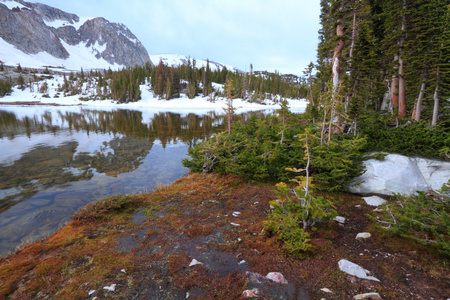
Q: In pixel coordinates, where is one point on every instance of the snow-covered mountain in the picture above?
(177, 59)
(37, 35)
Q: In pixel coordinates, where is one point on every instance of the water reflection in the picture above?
(54, 160)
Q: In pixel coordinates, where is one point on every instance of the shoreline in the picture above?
(142, 246)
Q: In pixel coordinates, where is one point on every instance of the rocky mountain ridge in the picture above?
(34, 28)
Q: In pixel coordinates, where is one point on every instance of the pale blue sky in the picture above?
(270, 34)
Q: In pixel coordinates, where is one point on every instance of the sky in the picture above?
(271, 35)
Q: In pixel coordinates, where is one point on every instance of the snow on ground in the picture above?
(80, 57)
(182, 105)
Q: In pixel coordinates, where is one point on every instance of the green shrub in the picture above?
(336, 163)
(295, 207)
(258, 150)
(413, 139)
(422, 217)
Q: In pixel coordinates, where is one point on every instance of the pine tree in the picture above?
(230, 93)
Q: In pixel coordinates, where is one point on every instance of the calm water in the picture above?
(54, 160)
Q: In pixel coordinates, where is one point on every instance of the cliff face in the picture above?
(33, 28)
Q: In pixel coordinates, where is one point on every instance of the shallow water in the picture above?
(55, 160)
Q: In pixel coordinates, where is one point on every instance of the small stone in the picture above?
(254, 293)
(355, 270)
(367, 296)
(236, 214)
(235, 224)
(276, 277)
(110, 288)
(374, 200)
(363, 235)
(242, 262)
(123, 271)
(91, 292)
(195, 262)
(326, 290)
(357, 206)
(340, 219)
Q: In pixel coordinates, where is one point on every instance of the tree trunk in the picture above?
(401, 90)
(419, 101)
(352, 46)
(335, 67)
(436, 106)
(394, 92)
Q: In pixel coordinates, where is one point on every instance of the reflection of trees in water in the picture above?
(48, 166)
(166, 126)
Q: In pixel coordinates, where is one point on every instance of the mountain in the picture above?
(37, 35)
(177, 59)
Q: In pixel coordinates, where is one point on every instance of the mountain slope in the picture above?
(177, 59)
(34, 35)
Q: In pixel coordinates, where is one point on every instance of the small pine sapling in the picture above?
(295, 206)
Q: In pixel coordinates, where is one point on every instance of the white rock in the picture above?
(340, 219)
(374, 200)
(254, 293)
(401, 174)
(91, 292)
(235, 224)
(355, 270)
(110, 288)
(326, 290)
(367, 296)
(242, 262)
(195, 262)
(363, 235)
(276, 277)
(435, 172)
(236, 214)
(123, 271)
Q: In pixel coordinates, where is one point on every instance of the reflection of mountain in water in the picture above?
(46, 166)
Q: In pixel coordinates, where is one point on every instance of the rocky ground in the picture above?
(202, 238)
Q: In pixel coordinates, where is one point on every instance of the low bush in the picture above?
(423, 217)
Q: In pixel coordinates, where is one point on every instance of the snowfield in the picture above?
(199, 104)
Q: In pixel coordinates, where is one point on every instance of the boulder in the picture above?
(401, 174)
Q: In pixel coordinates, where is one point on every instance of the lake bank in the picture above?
(142, 245)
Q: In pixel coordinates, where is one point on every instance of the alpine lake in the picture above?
(57, 159)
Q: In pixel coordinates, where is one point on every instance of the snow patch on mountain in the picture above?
(177, 59)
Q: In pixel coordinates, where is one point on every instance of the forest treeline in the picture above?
(167, 82)
(383, 55)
